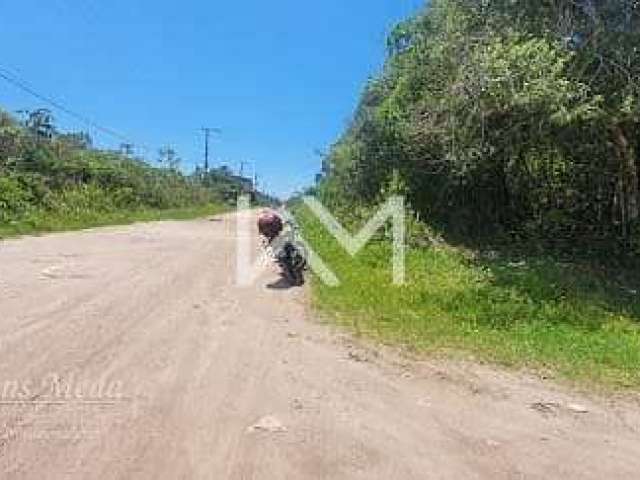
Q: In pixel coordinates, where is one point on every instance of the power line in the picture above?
(23, 85)
(127, 143)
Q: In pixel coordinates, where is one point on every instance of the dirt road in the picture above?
(129, 352)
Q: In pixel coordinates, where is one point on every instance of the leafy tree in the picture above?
(505, 116)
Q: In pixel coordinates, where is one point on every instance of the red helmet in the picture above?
(270, 224)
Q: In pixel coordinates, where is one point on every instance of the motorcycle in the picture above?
(292, 262)
(289, 253)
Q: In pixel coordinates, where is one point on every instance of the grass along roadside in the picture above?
(535, 312)
(41, 221)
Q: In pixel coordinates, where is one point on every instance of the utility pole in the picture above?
(127, 149)
(242, 164)
(207, 133)
(255, 176)
(255, 182)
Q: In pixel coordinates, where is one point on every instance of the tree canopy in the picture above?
(505, 117)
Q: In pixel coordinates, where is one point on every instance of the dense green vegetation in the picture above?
(512, 127)
(527, 311)
(55, 181)
(512, 118)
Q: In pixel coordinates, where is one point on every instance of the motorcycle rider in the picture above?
(287, 254)
(270, 225)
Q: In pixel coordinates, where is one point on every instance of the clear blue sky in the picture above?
(280, 78)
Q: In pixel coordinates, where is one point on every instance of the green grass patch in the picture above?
(42, 221)
(535, 312)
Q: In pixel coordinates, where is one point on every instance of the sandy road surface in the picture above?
(130, 353)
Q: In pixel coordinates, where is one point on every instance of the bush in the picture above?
(14, 199)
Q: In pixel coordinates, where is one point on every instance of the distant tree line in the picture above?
(44, 169)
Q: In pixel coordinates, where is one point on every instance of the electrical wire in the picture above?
(23, 85)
